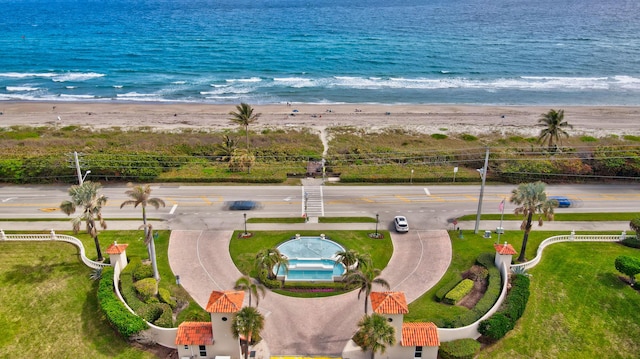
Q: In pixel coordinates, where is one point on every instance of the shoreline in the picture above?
(598, 121)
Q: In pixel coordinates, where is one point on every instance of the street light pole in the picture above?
(245, 224)
(483, 175)
(377, 216)
(411, 180)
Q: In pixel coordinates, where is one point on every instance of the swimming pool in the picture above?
(311, 259)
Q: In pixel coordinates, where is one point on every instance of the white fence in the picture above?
(55, 237)
(573, 237)
(163, 336)
(471, 330)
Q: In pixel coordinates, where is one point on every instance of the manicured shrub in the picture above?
(629, 266)
(460, 291)
(486, 260)
(468, 137)
(269, 283)
(117, 314)
(495, 327)
(141, 271)
(447, 288)
(129, 292)
(632, 242)
(165, 297)
(459, 349)
(439, 136)
(516, 301)
(166, 318)
(150, 312)
(146, 288)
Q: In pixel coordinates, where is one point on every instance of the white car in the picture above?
(401, 224)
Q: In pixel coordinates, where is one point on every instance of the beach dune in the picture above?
(598, 121)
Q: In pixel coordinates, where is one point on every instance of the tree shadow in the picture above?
(612, 280)
(32, 273)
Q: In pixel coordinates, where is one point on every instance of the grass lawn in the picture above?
(613, 216)
(49, 306)
(579, 308)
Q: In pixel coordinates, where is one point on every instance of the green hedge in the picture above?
(146, 288)
(141, 271)
(496, 327)
(446, 288)
(460, 291)
(459, 349)
(117, 314)
(269, 283)
(165, 297)
(511, 310)
(484, 304)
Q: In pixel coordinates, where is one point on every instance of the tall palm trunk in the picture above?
(97, 243)
(527, 229)
(366, 307)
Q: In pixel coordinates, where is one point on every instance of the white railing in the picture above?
(55, 237)
(573, 237)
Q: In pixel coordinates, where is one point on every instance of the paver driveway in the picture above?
(297, 326)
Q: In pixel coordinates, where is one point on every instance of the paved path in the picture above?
(317, 326)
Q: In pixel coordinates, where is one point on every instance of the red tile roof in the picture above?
(504, 249)
(420, 335)
(194, 333)
(389, 303)
(116, 248)
(225, 302)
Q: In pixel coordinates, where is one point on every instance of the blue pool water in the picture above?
(311, 259)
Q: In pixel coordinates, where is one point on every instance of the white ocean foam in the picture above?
(76, 97)
(228, 90)
(296, 82)
(217, 85)
(179, 82)
(135, 95)
(20, 75)
(70, 87)
(627, 82)
(252, 79)
(21, 88)
(117, 86)
(77, 76)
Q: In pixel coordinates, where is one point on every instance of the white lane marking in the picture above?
(173, 209)
(9, 199)
(426, 190)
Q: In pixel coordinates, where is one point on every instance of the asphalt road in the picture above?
(203, 207)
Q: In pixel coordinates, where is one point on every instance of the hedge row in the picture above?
(487, 301)
(512, 309)
(117, 314)
(460, 291)
(446, 288)
(459, 349)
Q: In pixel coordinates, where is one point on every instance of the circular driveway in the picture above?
(307, 326)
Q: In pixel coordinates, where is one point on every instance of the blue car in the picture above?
(563, 202)
(242, 205)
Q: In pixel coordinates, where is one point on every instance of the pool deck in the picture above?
(302, 326)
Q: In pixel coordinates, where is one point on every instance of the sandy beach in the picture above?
(597, 121)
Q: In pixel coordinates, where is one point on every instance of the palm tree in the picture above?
(365, 280)
(241, 159)
(247, 283)
(350, 258)
(244, 116)
(86, 197)
(226, 148)
(247, 324)
(374, 334)
(149, 242)
(531, 198)
(141, 196)
(554, 124)
(270, 258)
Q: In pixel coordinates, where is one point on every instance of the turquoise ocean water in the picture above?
(324, 51)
